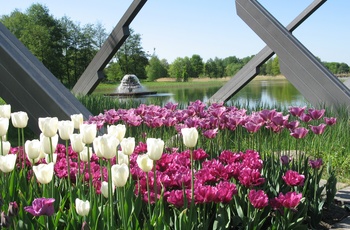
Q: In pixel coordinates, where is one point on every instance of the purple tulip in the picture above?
(285, 160)
(299, 132)
(318, 129)
(296, 111)
(258, 198)
(293, 178)
(330, 120)
(316, 164)
(316, 114)
(41, 206)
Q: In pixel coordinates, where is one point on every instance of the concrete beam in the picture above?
(318, 85)
(251, 69)
(93, 74)
(29, 86)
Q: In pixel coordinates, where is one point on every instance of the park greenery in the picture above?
(66, 48)
(169, 167)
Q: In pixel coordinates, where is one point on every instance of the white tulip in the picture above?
(48, 126)
(4, 126)
(65, 129)
(96, 145)
(86, 154)
(89, 132)
(77, 119)
(117, 130)
(120, 174)
(82, 207)
(76, 141)
(122, 158)
(6, 146)
(190, 137)
(8, 162)
(19, 119)
(32, 149)
(128, 145)
(44, 172)
(104, 188)
(108, 146)
(5, 111)
(54, 158)
(155, 147)
(45, 143)
(144, 162)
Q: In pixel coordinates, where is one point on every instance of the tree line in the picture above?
(66, 49)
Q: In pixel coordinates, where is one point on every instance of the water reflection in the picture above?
(271, 93)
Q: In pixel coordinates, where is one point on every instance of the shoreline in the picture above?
(224, 79)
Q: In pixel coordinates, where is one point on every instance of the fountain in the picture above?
(130, 86)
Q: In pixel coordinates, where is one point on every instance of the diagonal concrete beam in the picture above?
(318, 85)
(29, 86)
(251, 69)
(93, 74)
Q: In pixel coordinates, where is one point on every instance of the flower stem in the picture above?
(155, 182)
(110, 193)
(148, 196)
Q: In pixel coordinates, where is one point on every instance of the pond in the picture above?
(268, 92)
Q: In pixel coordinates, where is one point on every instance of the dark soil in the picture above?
(334, 214)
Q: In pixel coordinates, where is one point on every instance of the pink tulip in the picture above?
(297, 111)
(318, 129)
(316, 114)
(258, 198)
(299, 132)
(285, 160)
(330, 120)
(41, 207)
(293, 178)
(316, 164)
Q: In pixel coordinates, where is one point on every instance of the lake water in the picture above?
(271, 93)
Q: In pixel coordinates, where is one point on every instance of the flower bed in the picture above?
(214, 167)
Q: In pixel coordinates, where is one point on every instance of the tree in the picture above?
(131, 57)
(155, 69)
(275, 68)
(177, 69)
(196, 65)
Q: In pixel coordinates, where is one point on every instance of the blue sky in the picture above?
(209, 28)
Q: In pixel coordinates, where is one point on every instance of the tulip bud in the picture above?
(13, 209)
(76, 141)
(48, 126)
(86, 154)
(108, 146)
(5, 111)
(89, 132)
(144, 162)
(117, 130)
(65, 129)
(5, 220)
(96, 145)
(120, 174)
(44, 172)
(19, 119)
(104, 189)
(155, 148)
(85, 226)
(48, 146)
(6, 146)
(122, 158)
(4, 126)
(82, 207)
(190, 137)
(128, 145)
(77, 120)
(8, 162)
(32, 149)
